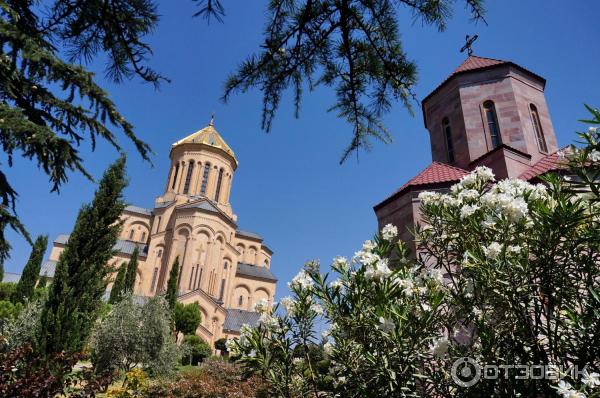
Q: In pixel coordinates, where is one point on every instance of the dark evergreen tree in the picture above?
(130, 275)
(49, 101)
(171, 295)
(1, 271)
(43, 281)
(31, 272)
(118, 286)
(82, 269)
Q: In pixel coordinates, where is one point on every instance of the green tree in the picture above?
(352, 46)
(131, 271)
(195, 350)
(187, 318)
(49, 101)
(171, 294)
(43, 281)
(29, 277)
(7, 290)
(80, 278)
(133, 335)
(117, 288)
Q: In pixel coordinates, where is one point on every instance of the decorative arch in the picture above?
(251, 255)
(241, 296)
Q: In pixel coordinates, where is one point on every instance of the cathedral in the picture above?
(488, 112)
(224, 269)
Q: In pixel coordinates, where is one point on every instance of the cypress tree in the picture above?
(131, 271)
(1, 271)
(117, 288)
(171, 295)
(31, 272)
(82, 269)
(43, 281)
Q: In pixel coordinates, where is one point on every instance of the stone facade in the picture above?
(481, 99)
(224, 269)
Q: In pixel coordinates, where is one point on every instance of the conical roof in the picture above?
(207, 136)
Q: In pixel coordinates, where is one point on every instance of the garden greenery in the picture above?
(505, 273)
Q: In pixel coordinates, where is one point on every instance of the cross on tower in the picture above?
(469, 42)
(212, 119)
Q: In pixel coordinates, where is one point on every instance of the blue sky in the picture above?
(289, 186)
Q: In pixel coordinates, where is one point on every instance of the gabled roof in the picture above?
(254, 271)
(203, 203)
(48, 268)
(248, 234)
(207, 136)
(235, 319)
(548, 163)
(10, 277)
(122, 246)
(138, 210)
(435, 173)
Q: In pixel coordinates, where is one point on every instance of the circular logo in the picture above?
(465, 372)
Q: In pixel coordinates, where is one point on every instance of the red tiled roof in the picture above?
(475, 62)
(548, 163)
(435, 173)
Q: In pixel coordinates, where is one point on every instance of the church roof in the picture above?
(10, 277)
(139, 210)
(235, 319)
(548, 163)
(254, 271)
(207, 136)
(248, 234)
(122, 246)
(473, 63)
(435, 173)
(48, 268)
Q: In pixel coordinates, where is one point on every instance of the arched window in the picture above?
(154, 276)
(225, 265)
(537, 128)
(191, 278)
(131, 232)
(205, 178)
(492, 122)
(219, 180)
(222, 291)
(159, 254)
(240, 301)
(448, 138)
(143, 236)
(188, 178)
(175, 176)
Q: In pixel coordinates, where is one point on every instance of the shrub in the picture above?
(132, 335)
(506, 273)
(23, 329)
(187, 318)
(135, 385)
(7, 290)
(194, 350)
(9, 310)
(214, 379)
(222, 346)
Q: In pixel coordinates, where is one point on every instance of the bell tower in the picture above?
(202, 166)
(490, 112)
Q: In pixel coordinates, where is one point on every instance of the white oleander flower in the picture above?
(379, 271)
(468, 210)
(407, 286)
(368, 246)
(595, 156)
(365, 257)
(592, 130)
(303, 280)
(435, 275)
(328, 348)
(566, 390)
(484, 174)
(337, 284)
(468, 194)
(340, 262)
(270, 322)
(590, 379)
(289, 304)
(298, 361)
(427, 197)
(440, 347)
(387, 325)
(514, 249)
(389, 232)
(261, 306)
(316, 308)
(492, 250)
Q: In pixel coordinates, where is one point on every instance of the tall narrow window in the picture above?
(448, 139)
(175, 176)
(158, 224)
(225, 265)
(198, 279)
(219, 180)
(191, 278)
(188, 178)
(131, 234)
(159, 254)
(537, 128)
(240, 301)
(222, 291)
(143, 236)
(205, 178)
(492, 122)
(154, 276)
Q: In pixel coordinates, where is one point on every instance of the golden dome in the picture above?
(207, 136)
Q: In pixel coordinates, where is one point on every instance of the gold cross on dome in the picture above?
(469, 43)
